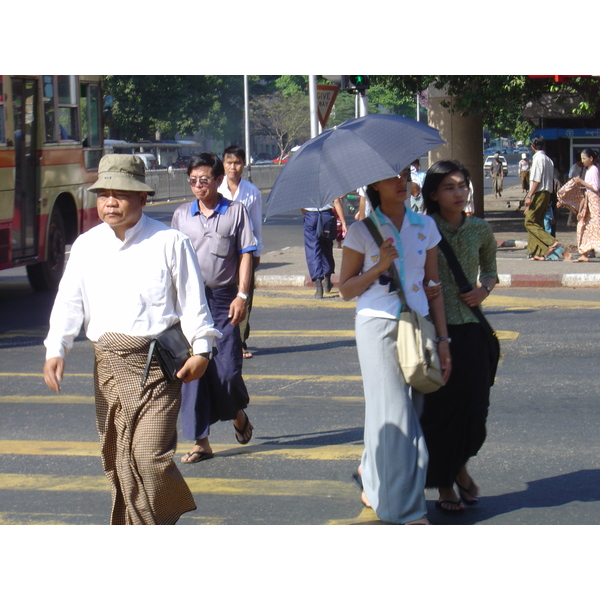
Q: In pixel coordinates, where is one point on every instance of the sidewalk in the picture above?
(287, 267)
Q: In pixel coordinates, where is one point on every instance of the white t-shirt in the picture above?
(417, 235)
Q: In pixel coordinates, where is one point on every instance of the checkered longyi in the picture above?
(138, 435)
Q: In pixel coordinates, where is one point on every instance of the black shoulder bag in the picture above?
(171, 349)
(465, 286)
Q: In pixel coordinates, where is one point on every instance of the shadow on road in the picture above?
(580, 486)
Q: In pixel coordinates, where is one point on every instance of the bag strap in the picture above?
(461, 279)
(148, 361)
(374, 230)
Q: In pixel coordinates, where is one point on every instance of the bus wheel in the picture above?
(46, 275)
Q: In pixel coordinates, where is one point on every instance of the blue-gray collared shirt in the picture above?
(219, 240)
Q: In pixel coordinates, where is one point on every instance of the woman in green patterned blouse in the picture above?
(454, 417)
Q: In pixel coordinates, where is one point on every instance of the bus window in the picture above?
(2, 131)
(48, 93)
(67, 107)
(60, 107)
(89, 94)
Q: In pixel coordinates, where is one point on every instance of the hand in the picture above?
(194, 368)
(237, 310)
(445, 360)
(475, 297)
(432, 291)
(387, 254)
(53, 372)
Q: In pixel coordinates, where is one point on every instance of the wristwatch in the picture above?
(488, 289)
(443, 339)
(243, 296)
(207, 355)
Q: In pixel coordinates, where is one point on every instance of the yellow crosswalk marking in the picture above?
(255, 400)
(256, 451)
(213, 486)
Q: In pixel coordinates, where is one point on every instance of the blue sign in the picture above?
(554, 134)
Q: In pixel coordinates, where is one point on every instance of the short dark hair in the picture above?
(435, 175)
(236, 151)
(207, 159)
(537, 141)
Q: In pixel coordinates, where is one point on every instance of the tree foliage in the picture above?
(500, 99)
(285, 118)
(144, 105)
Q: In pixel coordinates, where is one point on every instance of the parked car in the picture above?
(522, 150)
(280, 160)
(488, 163)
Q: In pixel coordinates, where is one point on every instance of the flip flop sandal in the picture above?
(200, 457)
(474, 499)
(243, 432)
(449, 511)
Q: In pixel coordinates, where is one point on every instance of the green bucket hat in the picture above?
(122, 172)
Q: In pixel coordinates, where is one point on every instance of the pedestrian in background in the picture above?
(523, 172)
(320, 230)
(234, 187)
(454, 417)
(394, 461)
(540, 244)
(128, 280)
(588, 217)
(221, 233)
(497, 175)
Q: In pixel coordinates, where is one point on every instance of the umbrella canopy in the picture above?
(354, 154)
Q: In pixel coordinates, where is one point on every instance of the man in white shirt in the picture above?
(540, 244)
(127, 280)
(234, 187)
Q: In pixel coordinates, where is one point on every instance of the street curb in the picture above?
(511, 244)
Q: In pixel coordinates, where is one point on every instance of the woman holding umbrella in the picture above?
(394, 462)
(454, 417)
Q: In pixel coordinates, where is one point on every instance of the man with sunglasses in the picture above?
(221, 233)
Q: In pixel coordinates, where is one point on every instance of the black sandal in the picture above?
(244, 431)
(474, 499)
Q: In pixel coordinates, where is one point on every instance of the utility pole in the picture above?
(314, 114)
(247, 126)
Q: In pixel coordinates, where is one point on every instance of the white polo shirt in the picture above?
(417, 235)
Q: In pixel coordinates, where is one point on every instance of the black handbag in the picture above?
(171, 350)
(465, 286)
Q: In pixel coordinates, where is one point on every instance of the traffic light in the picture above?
(355, 83)
(358, 82)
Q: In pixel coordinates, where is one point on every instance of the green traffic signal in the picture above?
(359, 82)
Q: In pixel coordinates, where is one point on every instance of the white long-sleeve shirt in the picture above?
(250, 196)
(138, 287)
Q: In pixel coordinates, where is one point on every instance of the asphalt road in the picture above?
(540, 463)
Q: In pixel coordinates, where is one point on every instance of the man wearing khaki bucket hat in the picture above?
(127, 280)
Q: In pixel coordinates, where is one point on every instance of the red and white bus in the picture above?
(50, 146)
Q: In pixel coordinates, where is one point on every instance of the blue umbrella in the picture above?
(354, 154)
